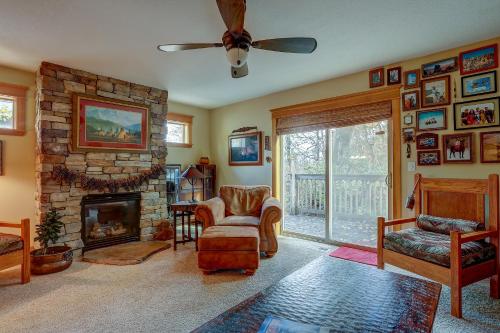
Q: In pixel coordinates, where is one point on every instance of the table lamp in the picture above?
(192, 175)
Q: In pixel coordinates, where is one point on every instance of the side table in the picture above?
(185, 209)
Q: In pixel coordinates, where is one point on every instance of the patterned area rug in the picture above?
(125, 254)
(348, 253)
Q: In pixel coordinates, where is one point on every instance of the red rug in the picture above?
(348, 253)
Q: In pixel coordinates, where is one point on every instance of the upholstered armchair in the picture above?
(244, 206)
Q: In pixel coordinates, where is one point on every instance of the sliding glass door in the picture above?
(336, 182)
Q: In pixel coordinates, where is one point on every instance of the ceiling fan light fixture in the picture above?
(237, 56)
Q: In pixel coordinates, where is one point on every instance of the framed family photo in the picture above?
(394, 75)
(376, 77)
(245, 149)
(104, 124)
(412, 79)
(440, 67)
(411, 100)
(457, 148)
(431, 120)
(436, 91)
(490, 147)
(479, 84)
(477, 114)
(428, 157)
(478, 60)
(427, 141)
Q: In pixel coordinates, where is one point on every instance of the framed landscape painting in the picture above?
(104, 124)
(490, 147)
(479, 84)
(436, 91)
(431, 120)
(457, 148)
(479, 113)
(245, 149)
(428, 157)
(440, 67)
(412, 79)
(478, 60)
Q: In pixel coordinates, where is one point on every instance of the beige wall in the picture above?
(201, 135)
(17, 185)
(256, 112)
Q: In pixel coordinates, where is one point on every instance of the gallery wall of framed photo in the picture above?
(450, 110)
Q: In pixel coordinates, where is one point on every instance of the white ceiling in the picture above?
(119, 37)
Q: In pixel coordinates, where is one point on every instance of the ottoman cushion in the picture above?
(229, 238)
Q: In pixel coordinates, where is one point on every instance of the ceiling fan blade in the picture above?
(237, 72)
(289, 45)
(190, 46)
(233, 14)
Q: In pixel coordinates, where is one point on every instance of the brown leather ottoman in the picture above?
(229, 247)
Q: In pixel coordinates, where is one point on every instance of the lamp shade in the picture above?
(192, 173)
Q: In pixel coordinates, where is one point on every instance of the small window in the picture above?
(12, 109)
(179, 130)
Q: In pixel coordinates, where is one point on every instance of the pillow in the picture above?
(444, 225)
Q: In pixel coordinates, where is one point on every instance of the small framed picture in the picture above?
(408, 134)
(394, 75)
(412, 79)
(427, 141)
(479, 113)
(436, 91)
(440, 67)
(267, 143)
(428, 157)
(245, 149)
(411, 100)
(478, 60)
(431, 120)
(490, 147)
(408, 119)
(479, 84)
(457, 148)
(376, 77)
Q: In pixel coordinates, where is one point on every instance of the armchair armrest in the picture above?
(271, 211)
(398, 221)
(209, 212)
(474, 236)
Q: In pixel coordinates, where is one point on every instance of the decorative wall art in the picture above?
(477, 114)
(440, 67)
(457, 148)
(478, 60)
(412, 79)
(427, 141)
(479, 84)
(411, 100)
(245, 149)
(490, 147)
(394, 75)
(436, 91)
(376, 77)
(267, 143)
(111, 125)
(408, 119)
(428, 157)
(408, 134)
(431, 120)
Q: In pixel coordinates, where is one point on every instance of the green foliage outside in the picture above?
(6, 114)
(48, 231)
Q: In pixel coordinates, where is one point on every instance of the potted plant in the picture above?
(50, 259)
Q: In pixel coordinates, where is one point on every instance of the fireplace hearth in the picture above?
(110, 219)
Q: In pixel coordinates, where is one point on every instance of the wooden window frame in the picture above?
(185, 120)
(391, 93)
(18, 94)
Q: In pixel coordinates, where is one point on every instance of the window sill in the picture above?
(8, 131)
(179, 145)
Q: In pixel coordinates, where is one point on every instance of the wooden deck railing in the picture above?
(355, 197)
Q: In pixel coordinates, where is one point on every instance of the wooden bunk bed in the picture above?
(468, 199)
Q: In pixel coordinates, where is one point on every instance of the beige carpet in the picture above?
(168, 294)
(125, 254)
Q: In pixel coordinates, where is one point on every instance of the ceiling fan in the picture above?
(237, 40)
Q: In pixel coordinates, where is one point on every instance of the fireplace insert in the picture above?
(109, 219)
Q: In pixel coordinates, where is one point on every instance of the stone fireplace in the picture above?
(109, 219)
(54, 112)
